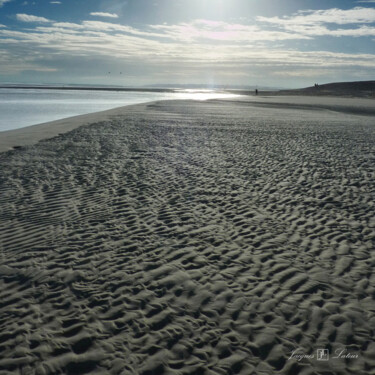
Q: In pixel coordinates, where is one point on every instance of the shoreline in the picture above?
(84, 88)
(32, 134)
(358, 89)
(321, 91)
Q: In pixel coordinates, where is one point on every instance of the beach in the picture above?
(188, 237)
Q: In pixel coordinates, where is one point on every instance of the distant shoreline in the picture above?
(361, 89)
(83, 88)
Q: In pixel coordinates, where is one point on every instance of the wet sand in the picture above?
(182, 237)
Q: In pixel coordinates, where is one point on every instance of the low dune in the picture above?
(183, 237)
(349, 89)
(356, 89)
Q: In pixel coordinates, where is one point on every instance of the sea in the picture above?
(20, 108)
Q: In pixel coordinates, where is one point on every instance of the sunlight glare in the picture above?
(192, 94)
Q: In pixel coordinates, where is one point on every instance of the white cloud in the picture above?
(11, 65)
(67, 25)
(301, 72)
(335, 16)
(195, 45)
(103, 14)
(55, 2)
(101, 27)
(30, 18)
(222, 32)
(321, 30)
(2, 2)
(361, 31)
(324, 22)
(128, 44)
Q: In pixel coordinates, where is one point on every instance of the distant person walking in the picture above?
(256, 91)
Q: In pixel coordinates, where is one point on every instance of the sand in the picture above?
(356, 89)
(185, 237)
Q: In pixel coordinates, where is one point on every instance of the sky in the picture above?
(275, 43)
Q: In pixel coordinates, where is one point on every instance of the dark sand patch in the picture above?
(190, 238)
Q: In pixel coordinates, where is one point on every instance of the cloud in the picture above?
(2, 2)
(103, 27)
(222, 31)
(103, 14)
(55, 2)
(12, 62)
(356, 15)
(195, 31)
(365, 1)
(325, 22)
(30, 18)
(190, 46)
(114, 41)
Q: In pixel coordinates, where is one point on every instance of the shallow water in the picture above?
(24, 107)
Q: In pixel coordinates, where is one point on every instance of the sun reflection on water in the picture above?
(193, 94)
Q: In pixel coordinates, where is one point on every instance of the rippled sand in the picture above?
(191, 238)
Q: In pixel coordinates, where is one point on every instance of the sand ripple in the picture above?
(200, 238)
